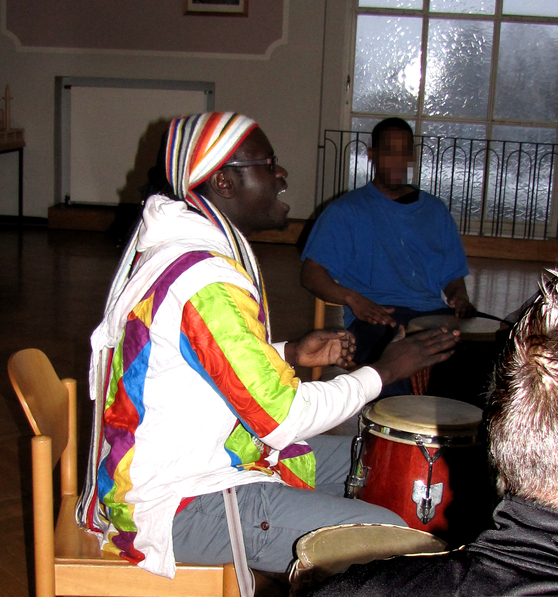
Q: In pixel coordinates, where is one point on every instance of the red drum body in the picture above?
(421, 458)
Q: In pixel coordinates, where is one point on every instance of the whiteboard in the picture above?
(110, 136)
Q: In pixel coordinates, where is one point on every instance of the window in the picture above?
(462, 72)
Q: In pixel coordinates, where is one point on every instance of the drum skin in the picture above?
(394, 464)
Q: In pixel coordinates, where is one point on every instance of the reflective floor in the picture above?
(52, 290)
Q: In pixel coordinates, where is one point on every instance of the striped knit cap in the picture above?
(200, 144)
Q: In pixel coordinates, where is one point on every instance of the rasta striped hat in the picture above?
(198, 145)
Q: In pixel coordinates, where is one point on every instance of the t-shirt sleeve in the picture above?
(331, 240)
(455, 261)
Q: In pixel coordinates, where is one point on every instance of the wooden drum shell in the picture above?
(395, 463)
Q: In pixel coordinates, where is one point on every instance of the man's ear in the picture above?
(222, 183)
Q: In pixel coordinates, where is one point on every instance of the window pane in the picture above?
(458, 68)
(520, 186)
(463, 130)
(390, 4)
(541, 8)
(527, 87)
(524, 133)
(364, 125)
(451, 166)
(387, 64)
(463, 6)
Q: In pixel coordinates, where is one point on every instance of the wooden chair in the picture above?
(68, 560)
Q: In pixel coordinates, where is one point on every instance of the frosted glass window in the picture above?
(539, 8)
(367, 124)
(387, 64)
(524, 133)
(463, 6)
(448, 167)
(525, 168)
(364, 124)
(527, 87)
(458, 68)
(463, 130)
(390, 4)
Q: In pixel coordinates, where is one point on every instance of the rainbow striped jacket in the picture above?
(197, 399)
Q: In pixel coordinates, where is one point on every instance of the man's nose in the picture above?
(281, 172)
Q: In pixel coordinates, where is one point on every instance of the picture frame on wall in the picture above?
(229, 8)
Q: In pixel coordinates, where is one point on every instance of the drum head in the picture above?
(331, 550)
(423, 415)
(474, 329)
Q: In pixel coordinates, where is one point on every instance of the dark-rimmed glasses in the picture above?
(272, 161)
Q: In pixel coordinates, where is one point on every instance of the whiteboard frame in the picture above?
(63, 113)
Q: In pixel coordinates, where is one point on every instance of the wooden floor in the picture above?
(52, 290)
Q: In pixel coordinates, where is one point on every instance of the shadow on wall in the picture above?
(132, 193)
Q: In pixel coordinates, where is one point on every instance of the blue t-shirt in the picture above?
(392, 253)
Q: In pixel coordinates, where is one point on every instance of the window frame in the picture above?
(498, 18)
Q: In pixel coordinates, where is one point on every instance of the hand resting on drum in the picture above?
(403, 357)
(458, 299)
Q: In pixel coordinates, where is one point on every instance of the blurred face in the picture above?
(392, 157)
(256, 204)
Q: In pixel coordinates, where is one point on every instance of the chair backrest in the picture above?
(43, 396)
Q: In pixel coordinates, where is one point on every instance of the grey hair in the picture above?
(522, 411)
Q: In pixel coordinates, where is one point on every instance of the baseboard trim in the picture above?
(108, 217)
(510, 248)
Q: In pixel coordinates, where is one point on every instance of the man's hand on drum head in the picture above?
(458, 299)
(405, 356)
(463, 307)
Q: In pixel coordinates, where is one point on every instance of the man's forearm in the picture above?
(456, 288)
(316, 279)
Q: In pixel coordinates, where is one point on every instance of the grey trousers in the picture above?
(274, 516)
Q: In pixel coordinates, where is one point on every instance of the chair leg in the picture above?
(43, 516)
(316, 373)
(230, 583)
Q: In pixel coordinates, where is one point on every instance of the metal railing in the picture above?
(492, 188)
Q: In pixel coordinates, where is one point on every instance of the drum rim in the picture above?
(456, 323)
(411, 436)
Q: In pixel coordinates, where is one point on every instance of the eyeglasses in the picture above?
(272, 161)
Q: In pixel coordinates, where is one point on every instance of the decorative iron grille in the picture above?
(492, 188)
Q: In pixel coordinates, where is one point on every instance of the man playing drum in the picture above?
(519, 555)
(387, 251)
(194, 397)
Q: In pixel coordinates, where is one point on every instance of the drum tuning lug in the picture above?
(427, 497)
(357, 476)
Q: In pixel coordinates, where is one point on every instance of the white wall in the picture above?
(283, 93)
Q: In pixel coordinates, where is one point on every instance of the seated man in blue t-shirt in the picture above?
(387, 251)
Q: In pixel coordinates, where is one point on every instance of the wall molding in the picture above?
(19, 47)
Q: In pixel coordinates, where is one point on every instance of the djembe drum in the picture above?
(466, 374)
(331, 550)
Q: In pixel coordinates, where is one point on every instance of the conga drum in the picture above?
(422, 459)
(465, 375)
(331, 550)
